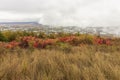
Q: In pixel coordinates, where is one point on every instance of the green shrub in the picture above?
(2, 37)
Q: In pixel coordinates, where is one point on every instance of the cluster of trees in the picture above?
(8, 36)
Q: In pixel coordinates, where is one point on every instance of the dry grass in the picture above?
(80, 63)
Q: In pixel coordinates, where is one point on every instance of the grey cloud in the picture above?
(64, 12)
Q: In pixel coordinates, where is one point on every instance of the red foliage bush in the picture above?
(29, 41)
(101, 41)
(36, 42)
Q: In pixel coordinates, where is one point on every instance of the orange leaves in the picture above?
(108, 42)
(11, 45)
(67, 39)
(27, 38)
(46, 42)
(50, 41)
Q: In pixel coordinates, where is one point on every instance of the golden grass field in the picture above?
(87, 62)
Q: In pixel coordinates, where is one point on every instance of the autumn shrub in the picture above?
(89, 40)
(100, 41)
(42, 40)
(83, 40)
(67, 39)
(12, 45)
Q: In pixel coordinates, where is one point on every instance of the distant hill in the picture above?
(12, 23)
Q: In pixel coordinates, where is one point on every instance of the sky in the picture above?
(62, 12)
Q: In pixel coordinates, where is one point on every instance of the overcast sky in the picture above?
(62, 12)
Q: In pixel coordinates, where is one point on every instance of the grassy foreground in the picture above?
(76, 63)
